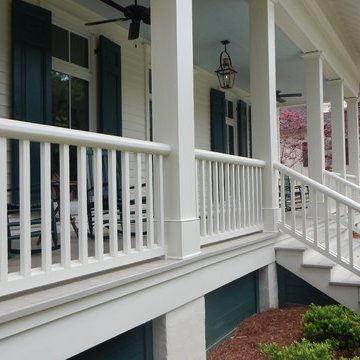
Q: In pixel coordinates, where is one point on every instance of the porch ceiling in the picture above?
(345, 17)
(214, 22)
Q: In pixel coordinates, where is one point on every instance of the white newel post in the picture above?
(353, 137)
(338, 126)
(263, 103)
(173, 114)
(315, 117)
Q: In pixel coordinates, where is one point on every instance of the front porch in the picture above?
(139, 185)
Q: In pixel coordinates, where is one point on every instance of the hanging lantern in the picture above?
(225, 72)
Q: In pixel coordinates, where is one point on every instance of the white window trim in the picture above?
(234, 123)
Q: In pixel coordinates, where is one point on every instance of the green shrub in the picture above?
(304, 350)
(335, 323)
(354, 358)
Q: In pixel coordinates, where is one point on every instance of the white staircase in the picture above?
(320, 272)
(322, 245)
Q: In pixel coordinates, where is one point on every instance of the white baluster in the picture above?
(65, 207)
(138, 205)
(82, 204)
(45, 168)
(3, 213)
(216, 197)
(113, 197)
(350, 236)
(233, 197)
(292, 197)
(222, 197)
(126, 202)
(326, 223)
(202, 199)
(98, 204)
(150, 204)
(227, 197)
(209, 200)
(338, 231)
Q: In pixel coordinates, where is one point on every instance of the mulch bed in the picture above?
(275, 325)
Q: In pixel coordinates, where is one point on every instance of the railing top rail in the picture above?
(14, 129)
(317, 186)
(341, 180)
(232, 159)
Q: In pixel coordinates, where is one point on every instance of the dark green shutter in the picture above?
(242, 128)
(31, 78)
(225, 307)
(110, 87)
(217, 116)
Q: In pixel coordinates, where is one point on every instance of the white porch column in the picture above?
(173, 114)
(353, 137)
(180, 334)
(263, 100)
(315, 117)
(338, 126)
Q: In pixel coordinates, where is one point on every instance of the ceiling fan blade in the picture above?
(291, 95)
(105, 21)
(146, 16)
(134, 30)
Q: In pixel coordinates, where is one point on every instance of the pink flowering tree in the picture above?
(292, 136)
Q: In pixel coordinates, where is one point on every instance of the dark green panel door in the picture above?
(217, 119)
(227, 306)
(110, 87)
(135, 344)
(31, 78)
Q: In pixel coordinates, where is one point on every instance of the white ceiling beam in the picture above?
(306, 25)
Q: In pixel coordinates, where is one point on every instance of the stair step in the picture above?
(313, 259)
(291, 245)
(343, 277)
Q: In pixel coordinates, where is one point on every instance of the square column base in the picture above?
(182, 238)
(180, 334)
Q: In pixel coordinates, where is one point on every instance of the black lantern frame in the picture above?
(225, 72)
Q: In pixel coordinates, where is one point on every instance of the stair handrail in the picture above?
(317, 186)
(339, 179)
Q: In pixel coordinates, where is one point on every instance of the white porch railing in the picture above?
(229, 195)
(132, 229)
(327, 224)
(345, 187)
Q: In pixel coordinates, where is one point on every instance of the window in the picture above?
(70, 79)
(70, 84)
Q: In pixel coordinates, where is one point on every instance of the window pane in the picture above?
(60, 99)
(231, 140)
(79, 104)
(60, 43)
(230, 112)
(79, 50)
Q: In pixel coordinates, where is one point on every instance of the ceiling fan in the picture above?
(280, 96)
(136, 13)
